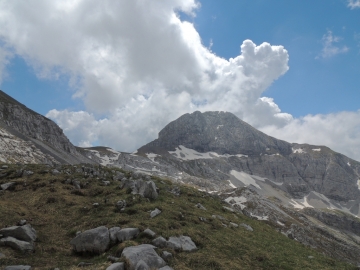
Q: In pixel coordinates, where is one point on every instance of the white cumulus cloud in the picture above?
(137, 66)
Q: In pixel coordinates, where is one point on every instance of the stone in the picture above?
(247, 227)
(96, 205)
(166, 267)
(149, 233)
(159, 242)
(113, 259)
(166, 255)
(112, 233)
(4, 166)
(22, 222)
(147, 189)
(232, 224)
(16, 244)
(121, 204)
(8, 186)
(18, 267)
(155, 213)
(24, 233)
(127, 234)
(55, 172)
(76, 184)
(2, 256)
(95, 241)
(200, 206)
(183, 243)
(141, 265)
(106, 183)
(144, 252)
(116, 266)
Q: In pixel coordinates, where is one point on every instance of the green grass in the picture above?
(57, 213)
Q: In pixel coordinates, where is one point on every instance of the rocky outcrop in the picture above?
(35, 135)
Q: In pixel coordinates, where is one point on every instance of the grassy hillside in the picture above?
(57, 211)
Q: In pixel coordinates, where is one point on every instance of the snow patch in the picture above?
(259, 217)
(231, 184)
(280, 223)
(348, 164)
(316, 149)
(184, 153)
(239, 201)
(245, 178)
(358, 184)
(298, 151)
(152, 157)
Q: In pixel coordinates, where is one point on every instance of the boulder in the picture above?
(127, 234)
(155, 213)
(112, 233)
(166, 255)
(19, 245)
(24, 233)
(144, 252)
(18, 267)
(159, 242)
(95, 241)
(149, 233)
(116, 266)
(147, 189)
(183, 243)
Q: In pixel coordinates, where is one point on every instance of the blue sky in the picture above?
(114, 73)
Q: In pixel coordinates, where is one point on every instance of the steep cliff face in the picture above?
(221, 147)
(28, 125)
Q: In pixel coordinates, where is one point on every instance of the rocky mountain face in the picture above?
(220, 146)
(43, 136)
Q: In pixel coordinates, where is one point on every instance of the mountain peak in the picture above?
(215, 131)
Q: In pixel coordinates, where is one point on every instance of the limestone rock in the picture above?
(155, 213)
(116, 266)
(159, 242)
(95, 241)
(24, 233)
(127, 234)
(149, 233)
(112, 233)
(143, 252)
(7, 186)
(183, 243)
(19, 245)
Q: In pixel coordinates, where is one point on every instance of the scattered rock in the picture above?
(95, 241)
(202, 219)
(55, 172)
(24, 233)
(22, 222)
(149, 233)
(232, 224)
(159, 242)
(311, 257)
(8, 186)
(4, 166)
(120, 205)
(247, 227)
(19, 245)
(200, 206)
(112, 233)
(166, 255)
(183, 243)
(106, 183)
(218, 217)
(96, 205)
(116, 266)
(127, 234)
(18, 267)
(155, 212)
(76, 184)
(176, 191)
(147, 254)
(2, 255)
(113, 259)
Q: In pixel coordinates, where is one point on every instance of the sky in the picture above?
(114, 73)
